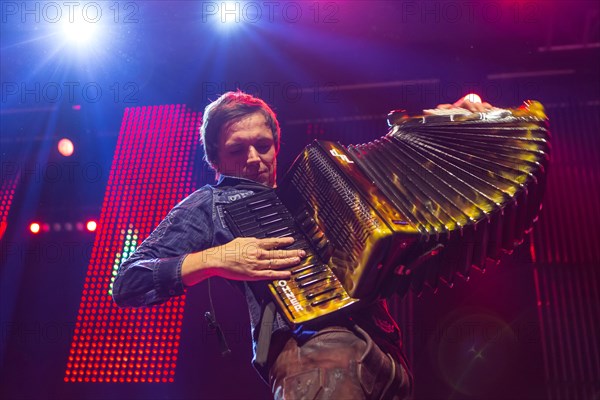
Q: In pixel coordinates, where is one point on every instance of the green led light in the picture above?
(128, 248)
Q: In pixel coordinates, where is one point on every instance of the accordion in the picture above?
(434, 197)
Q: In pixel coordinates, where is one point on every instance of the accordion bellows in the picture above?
(428, 201)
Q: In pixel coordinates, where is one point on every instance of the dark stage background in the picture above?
(130, 98)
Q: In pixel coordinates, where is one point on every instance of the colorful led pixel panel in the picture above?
(152, 170)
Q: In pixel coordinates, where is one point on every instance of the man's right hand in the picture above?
(242, 259)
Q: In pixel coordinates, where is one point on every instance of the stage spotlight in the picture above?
(473, 98)
(65, 147)
(91, 226)
(80, 32)
(224, 14)
(230, 12)
(34, 227)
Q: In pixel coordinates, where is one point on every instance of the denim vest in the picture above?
(152, 274)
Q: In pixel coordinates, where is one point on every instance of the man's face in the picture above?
(247, 150)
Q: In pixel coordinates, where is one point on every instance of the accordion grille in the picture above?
(342, 213)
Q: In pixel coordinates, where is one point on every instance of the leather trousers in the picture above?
(338, 363)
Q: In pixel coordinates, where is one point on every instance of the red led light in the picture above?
(34, 227)
(65, 147)
(91, 226)
(124, 345)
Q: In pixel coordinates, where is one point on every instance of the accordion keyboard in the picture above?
(313, 290)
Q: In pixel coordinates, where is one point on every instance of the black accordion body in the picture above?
(434, 197)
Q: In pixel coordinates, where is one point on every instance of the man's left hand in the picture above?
(465, 103)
